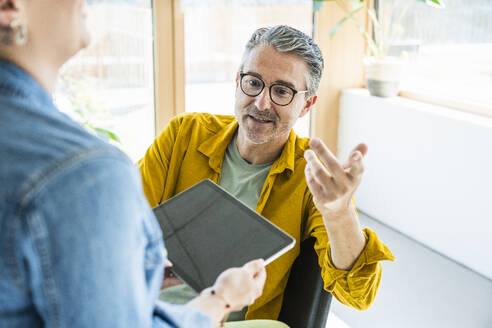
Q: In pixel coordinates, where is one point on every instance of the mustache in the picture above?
(254, 111)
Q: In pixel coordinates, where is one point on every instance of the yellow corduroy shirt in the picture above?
(191, 148)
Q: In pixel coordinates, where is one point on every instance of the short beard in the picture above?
(254, 111)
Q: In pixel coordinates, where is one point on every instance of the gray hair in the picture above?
(287, 39)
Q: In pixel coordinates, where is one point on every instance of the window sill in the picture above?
(456, 104)
(440, 108)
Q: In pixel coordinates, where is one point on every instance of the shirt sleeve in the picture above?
(96, 253)
(358, 286)
(154, 165)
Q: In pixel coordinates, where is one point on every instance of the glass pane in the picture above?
(215, 35)
(109, 86)
(450, 49)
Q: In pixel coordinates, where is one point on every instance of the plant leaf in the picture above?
(317, 4)
(335, 28)
(356, 3)
(437, 3)
(374, 19)
(106, 134)
(434, 3)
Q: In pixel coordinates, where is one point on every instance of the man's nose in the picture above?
(263, 101)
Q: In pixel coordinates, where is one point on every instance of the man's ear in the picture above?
(237, 80)
(308, 105)
(9, 12)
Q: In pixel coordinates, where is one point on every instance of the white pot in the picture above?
(383, 75)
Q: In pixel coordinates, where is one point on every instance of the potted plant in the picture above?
(383, 72)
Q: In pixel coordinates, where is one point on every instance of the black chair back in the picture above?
(306, 304)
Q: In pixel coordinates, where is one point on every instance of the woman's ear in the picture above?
(9, 13)
(13, 28)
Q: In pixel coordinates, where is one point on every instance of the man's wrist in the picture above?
(340, 218)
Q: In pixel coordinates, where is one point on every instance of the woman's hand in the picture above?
(240, 287)
(234, 289)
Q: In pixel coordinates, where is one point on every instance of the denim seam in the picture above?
(29, 190)
(38, 232)
(11, 260)
(33, 186)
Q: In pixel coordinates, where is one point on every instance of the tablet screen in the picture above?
(207, 230)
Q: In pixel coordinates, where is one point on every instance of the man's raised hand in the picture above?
(331, 183)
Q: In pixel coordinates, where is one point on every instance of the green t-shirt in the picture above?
(245, 181)
(242, 179)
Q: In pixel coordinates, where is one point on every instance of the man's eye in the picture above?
(254, 83)
(282, 92)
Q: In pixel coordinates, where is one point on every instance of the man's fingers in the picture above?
(356, 167)
(319, 182)
(322, 192)
(354, 164)
(314, 185)
(328, 158)
(317, 168)
(360, 149)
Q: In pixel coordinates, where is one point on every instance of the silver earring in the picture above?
(19, 32)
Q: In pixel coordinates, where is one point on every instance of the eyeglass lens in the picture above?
(252, 86)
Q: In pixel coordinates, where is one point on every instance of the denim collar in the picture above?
(16, 84)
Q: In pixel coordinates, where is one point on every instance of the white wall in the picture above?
(428, 172)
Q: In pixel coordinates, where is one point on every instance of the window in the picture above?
(109, 86)
(450, 49)
(216, 33)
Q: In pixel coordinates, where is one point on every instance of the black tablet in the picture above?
(207, 230)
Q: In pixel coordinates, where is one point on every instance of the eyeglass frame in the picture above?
(242, 74)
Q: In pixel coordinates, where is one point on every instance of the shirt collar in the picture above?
(286, 160)
(215, 146)
(18, 84)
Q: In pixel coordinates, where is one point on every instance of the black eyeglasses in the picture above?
(280, 94)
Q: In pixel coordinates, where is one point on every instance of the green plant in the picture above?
(379, 41)
(84, 108)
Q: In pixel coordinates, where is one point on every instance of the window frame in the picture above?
(343, 69)
(429, 98)
(169, 65)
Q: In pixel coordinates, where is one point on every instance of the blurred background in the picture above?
(426, 184)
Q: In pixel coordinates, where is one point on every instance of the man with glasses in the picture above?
(281, 93)
(257, 157)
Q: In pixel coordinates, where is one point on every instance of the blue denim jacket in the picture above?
(79, 245)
